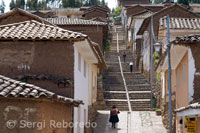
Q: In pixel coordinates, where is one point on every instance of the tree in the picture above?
(116, 12)
(103, 3)
(2, 7)
(158, 1)
(194, 1)
(185, 2)
(20, 4)
(12, 4)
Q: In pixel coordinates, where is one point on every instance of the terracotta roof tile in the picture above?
(181, 23)
(13, 88)
(190, 106)
(187, 39)
(69, 21)
(33, 30)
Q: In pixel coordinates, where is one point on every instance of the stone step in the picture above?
(120, 104)
(114, 95)
(140, 94)
(139, 87)
(114, 87)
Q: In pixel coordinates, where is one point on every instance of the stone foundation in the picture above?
(165, 115)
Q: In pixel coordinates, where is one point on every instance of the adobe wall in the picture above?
(46, 113)
(94, 32)
(95, 14)
(41, 57)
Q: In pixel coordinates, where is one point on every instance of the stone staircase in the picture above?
(113, 85)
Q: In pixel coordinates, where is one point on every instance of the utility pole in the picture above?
(169, 75)
(151, 48)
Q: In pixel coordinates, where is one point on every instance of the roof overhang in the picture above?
(177, 53)
(190, 110)
(85, 49)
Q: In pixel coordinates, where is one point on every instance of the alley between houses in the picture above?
(130, 92)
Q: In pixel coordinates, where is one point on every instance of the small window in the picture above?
(178, 80)
(184, 72)
(85, 68)
(79, 62)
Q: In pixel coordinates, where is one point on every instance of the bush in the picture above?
(106, 45)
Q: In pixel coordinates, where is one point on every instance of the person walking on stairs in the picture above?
(131, 66)
(124, 57)
(114, 116)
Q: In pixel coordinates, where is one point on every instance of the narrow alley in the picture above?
(130, 92)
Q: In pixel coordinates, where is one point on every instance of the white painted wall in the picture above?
(81, 85)
(163, 84)
(146, 52)
(93, 71)
(137, 25)
(191, 73)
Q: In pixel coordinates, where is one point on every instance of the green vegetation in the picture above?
(106, 45)
(47, 4)
(186, 2)
(156, 58)
(116, 12)
(158, 1)
(157, 109)
(2, 7)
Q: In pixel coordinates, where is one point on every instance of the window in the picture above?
(79, 62)
(178, 80)
(85, 69)
(184, 72)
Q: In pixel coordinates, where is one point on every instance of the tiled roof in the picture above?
(24, 13)
(191, 106)
(53, 78)
(70, 21)
(187, 39)
(144, 14)
(181, 23)
(147, 20)
(99, 55)
(100, 19)
(33, 30)
(17, 89)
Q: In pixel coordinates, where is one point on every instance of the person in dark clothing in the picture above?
(124, 57)
(114, 116)
(131, 66)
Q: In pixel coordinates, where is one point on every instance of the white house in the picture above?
(88, 61)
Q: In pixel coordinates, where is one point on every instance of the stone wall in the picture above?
(45, 113)
(195, 48)
(165, 115)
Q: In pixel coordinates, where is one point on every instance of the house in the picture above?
(182, 61)
(18, 15)
(145, 30)
(135, 9)
(130, 2)
(96, 11)
(185, 81)
(93, 13)
(44, 13)
(87, 27)
(68, 12)
(29, 108)
(49, 57)
(134, 23)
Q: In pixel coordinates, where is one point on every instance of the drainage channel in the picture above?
(127, 93)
